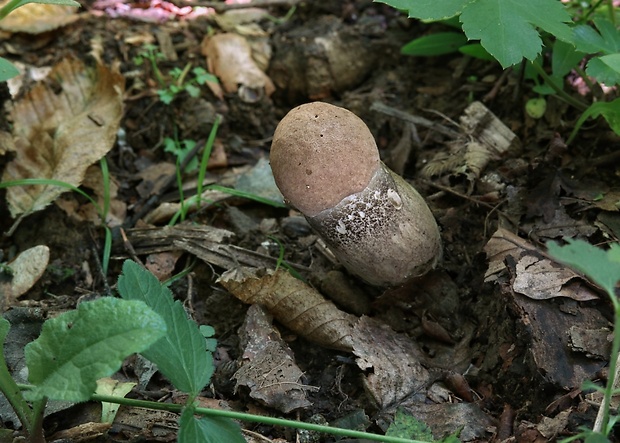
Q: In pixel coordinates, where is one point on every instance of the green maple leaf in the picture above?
(507, 29)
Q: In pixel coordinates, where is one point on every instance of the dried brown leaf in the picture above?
(229, 57)
(35, 18)
(535, 276)
(62, 126)
(293, 303)
(392, 360)
(27, 268)
(269, 369)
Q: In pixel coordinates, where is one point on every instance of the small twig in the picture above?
(463, 196)
(416, 120)
(489, 96)
(129, 247)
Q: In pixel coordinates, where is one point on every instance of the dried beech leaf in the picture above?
(35, 18)
(392, 360)
(540, 278)
(27, 268)
(293, 303)
(268, 369)
(230, 59)
(63, 125)
(535, 276)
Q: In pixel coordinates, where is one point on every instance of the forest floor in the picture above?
(495, 342)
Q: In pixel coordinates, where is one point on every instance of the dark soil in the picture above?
(483, 343)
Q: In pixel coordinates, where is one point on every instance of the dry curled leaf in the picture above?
(534, 275)
(63, 125)
(230, 58)
(35, 18)
(293, 303)
(269, 369)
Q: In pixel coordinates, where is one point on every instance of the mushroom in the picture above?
(326, 164)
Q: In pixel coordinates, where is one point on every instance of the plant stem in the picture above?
(36, 432)
(12, 392)
(561, 94)
(602, 419)
(206, 154)
(251, 418)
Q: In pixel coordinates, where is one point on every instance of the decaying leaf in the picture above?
(63, 125)
(94, 180)
(35, 18)
(269, 369)
(293, 303)
(27, 268)
(230, 58)
(535, 276)
(392, 361)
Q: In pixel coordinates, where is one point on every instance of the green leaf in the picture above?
(606, 69)
(596, 437)
(476, 50)
(78, 347)
(435, 44)
(406, 425)
(564, 58)
(181, 354)
(595, 263)
(591, 41)
(610, 112)
(428, 9)
(505, 28)
(609, 33)
(7, 70)
(207, 429)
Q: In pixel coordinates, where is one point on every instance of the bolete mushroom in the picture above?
(326, 163)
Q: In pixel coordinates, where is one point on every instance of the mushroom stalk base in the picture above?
(385, 234)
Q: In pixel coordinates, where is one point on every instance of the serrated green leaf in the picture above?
(610, 34)
(207, 429)
(435, 44)
(591, 261)
(406, 425)
(606, 69)
(431, 10)
(564, 58)
(7, 70)
(181, 354)
(506, 28)
(78, 347)
(587, 40)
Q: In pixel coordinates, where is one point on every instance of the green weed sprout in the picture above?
(179, 79)
(202, 171)
(92, 341)
(102, 212)
(511, 31)
(602, 268)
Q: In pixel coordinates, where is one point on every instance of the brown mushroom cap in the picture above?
(320, 154)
